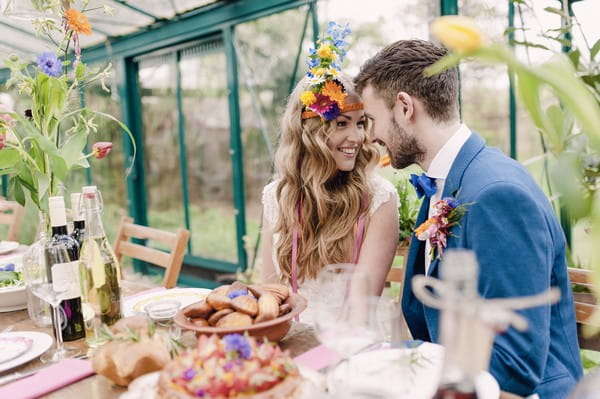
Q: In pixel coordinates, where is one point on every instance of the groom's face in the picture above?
(403, 148)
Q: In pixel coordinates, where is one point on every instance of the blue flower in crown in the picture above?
(326, 95)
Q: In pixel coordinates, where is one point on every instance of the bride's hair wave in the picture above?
(332, 200)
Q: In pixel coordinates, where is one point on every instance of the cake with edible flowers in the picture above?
(234, 366)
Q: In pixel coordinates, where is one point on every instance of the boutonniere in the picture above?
(446, 214)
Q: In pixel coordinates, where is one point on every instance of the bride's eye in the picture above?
(361, 123)
(341, 124)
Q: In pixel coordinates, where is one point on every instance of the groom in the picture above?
(510, 224)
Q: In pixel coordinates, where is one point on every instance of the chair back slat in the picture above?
(171, 259)
(585, 305)
(146, 254)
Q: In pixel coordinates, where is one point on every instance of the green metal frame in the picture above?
(512, 101)
(450, 7)
(235, 136)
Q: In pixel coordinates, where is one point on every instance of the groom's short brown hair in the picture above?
(399, 67)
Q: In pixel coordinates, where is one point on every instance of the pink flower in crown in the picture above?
(322, 104)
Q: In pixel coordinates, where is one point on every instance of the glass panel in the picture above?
(206, 111)
(108, 173)
(264, 83)
(161, 143)
(484, 87)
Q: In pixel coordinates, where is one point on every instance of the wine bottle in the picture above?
(100, 269)
(78, 221)
(459, 271)
(62, 268)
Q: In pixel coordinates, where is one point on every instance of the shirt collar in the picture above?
(443, 160)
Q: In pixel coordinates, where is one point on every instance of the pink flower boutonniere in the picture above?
(447, 213)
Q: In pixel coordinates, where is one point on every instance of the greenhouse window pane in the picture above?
(207, 144)
(161, 143)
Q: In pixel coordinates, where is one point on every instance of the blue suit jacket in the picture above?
(520, 248)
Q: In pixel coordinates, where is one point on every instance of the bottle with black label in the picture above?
(62, 267)
(78, 220)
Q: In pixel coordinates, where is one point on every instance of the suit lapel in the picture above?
(467, 153)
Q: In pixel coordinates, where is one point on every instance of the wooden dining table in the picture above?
(299, 339)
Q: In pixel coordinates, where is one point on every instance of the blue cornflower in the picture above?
(238, 343)
(332, 112)
(452, 202)
(50, 64)
(236, 293)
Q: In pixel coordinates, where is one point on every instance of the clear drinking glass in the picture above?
(34, 272)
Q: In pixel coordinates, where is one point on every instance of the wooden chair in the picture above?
(585, 305)
(171, 261)
(11, 214)
(396, 274)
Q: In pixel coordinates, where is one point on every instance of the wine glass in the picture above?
(54, 294)
(344, 314)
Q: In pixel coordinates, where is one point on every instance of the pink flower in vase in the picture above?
(101, 149)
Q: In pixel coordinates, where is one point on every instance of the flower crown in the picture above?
(326, 96)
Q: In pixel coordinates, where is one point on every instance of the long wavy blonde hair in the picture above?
(332, 200)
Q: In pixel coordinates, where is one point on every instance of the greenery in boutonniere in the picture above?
(39, 149)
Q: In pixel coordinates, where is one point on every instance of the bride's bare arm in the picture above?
(267, 271)
(379, 245)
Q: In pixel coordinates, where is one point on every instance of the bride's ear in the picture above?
(404, 108)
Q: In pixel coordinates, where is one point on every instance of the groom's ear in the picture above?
(405, 106)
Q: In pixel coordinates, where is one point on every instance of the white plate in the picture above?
(8, 246)
(40, 344)
(372, 372)
(135, 305)
(13, 347)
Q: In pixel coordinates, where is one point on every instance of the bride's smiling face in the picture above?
(347, 137)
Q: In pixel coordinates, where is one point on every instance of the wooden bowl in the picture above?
(274, 330)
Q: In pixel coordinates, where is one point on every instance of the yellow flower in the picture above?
(307, 98)
(318, 71)
(334, 92)
(460, 34)
(325, 51)
(333, 72)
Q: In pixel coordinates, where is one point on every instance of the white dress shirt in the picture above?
(439, 169)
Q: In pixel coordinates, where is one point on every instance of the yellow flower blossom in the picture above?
(385, 161)
(325, 51)
(308, 98)
(460, 34)
(318, 71)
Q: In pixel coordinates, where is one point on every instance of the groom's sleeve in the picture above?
(510, 235)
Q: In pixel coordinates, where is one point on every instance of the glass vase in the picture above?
(34, 273)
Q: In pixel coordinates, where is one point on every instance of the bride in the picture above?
(326, 205)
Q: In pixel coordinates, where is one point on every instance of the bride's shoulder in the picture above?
(270, 189)
(382, 191)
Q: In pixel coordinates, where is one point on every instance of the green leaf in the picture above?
(530, 44)
(59, 167)
(72, 150)
(595, 49)
(15, 186)
(574, 56)
(80, 71)
(556, 118)
(43, 185)
(82, 163)
(8, 158)
(558, 11)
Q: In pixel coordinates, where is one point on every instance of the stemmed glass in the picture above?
(53, 293)
(344, 314)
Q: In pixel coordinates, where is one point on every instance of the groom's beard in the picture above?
(404, 149)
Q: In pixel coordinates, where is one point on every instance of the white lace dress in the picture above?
(382, 191)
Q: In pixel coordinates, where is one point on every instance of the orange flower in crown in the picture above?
(326, 96)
